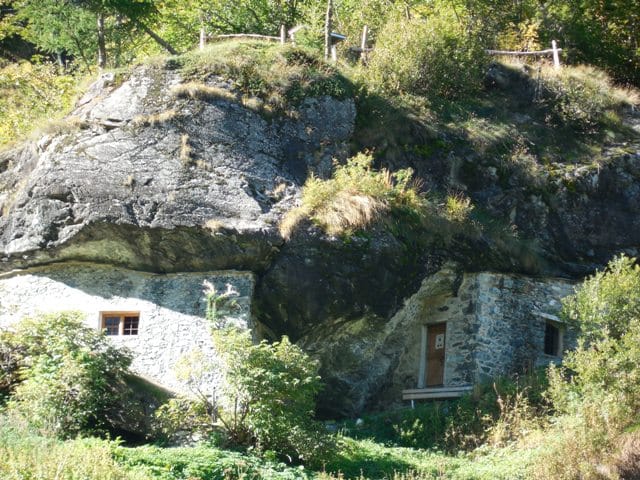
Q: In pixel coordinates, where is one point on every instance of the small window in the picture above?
(552, 339)
(120, 323)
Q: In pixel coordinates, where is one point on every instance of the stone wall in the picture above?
(171, 307)
(495, 326)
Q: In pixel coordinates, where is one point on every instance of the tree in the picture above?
(81, 27)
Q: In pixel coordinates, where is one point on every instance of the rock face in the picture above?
(154, 182)
(142, 182)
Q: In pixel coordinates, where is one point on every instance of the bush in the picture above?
(266, 399)
(435, 57)
(355, 197)
(597, 392)
(582, 97)
(72, 378)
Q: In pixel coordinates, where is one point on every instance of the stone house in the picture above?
(160, 318)
(495, 324)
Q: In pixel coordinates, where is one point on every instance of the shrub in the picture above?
(266, 399)
(72, 378)
(597, 393)
(31, 93)
(355, 197)
(435, 57)
(582, 97)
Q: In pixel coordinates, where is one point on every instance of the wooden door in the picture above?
(436, 340)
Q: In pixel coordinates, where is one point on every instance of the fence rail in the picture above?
(554, 50)
(363, 49)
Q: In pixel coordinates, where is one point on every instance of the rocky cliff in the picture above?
(148, 179)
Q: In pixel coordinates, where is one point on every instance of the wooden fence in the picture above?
(363, 49)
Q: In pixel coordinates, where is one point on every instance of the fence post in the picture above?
(283, 34)
(363, 43)
(203, 37)
(556, 56)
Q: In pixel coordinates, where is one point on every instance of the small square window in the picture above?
(111, 325)
(120, 323)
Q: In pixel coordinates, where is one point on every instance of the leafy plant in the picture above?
(435, 57)
(72, 378)
(596, 393)
(267, 394)
(355, 197)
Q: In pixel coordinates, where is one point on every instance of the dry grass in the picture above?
(627, 460)
(186, 152)
(291, 220)
(200, 91)
(60, 126)
(213, 225)
(350, 211)
(155, 118)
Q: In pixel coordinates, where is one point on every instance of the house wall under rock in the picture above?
(495, 326)
(171, 308)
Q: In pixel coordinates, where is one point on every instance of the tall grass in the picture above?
(355, 197)
(24, 456)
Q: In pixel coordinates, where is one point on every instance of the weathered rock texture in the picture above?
(159, 183)
(171, 308)
(145, 180)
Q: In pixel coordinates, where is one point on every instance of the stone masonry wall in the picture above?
(495, 326)
(172, 308)
(511, 314)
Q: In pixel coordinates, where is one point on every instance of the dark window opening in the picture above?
(552, 342)
(131, 325)
(111, 325)
(120, 323)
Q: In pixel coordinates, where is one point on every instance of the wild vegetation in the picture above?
(422, 94)
(571, 427)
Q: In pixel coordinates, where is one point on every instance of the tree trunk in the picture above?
(158, 39)
(102, 49)
(327, 29)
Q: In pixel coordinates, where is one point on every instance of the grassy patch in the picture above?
(267, 76)
(355, 197)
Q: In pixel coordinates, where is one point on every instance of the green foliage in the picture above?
(605, 34)
(72, 378)
(495, 413)
(202, 463)
(26, 456)
(582, 97)
(435, 57)
(274, 386)
(597, 392)
(280, 77)
(267, 397)
(356, 197)
(607, 304)
(31, 93)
